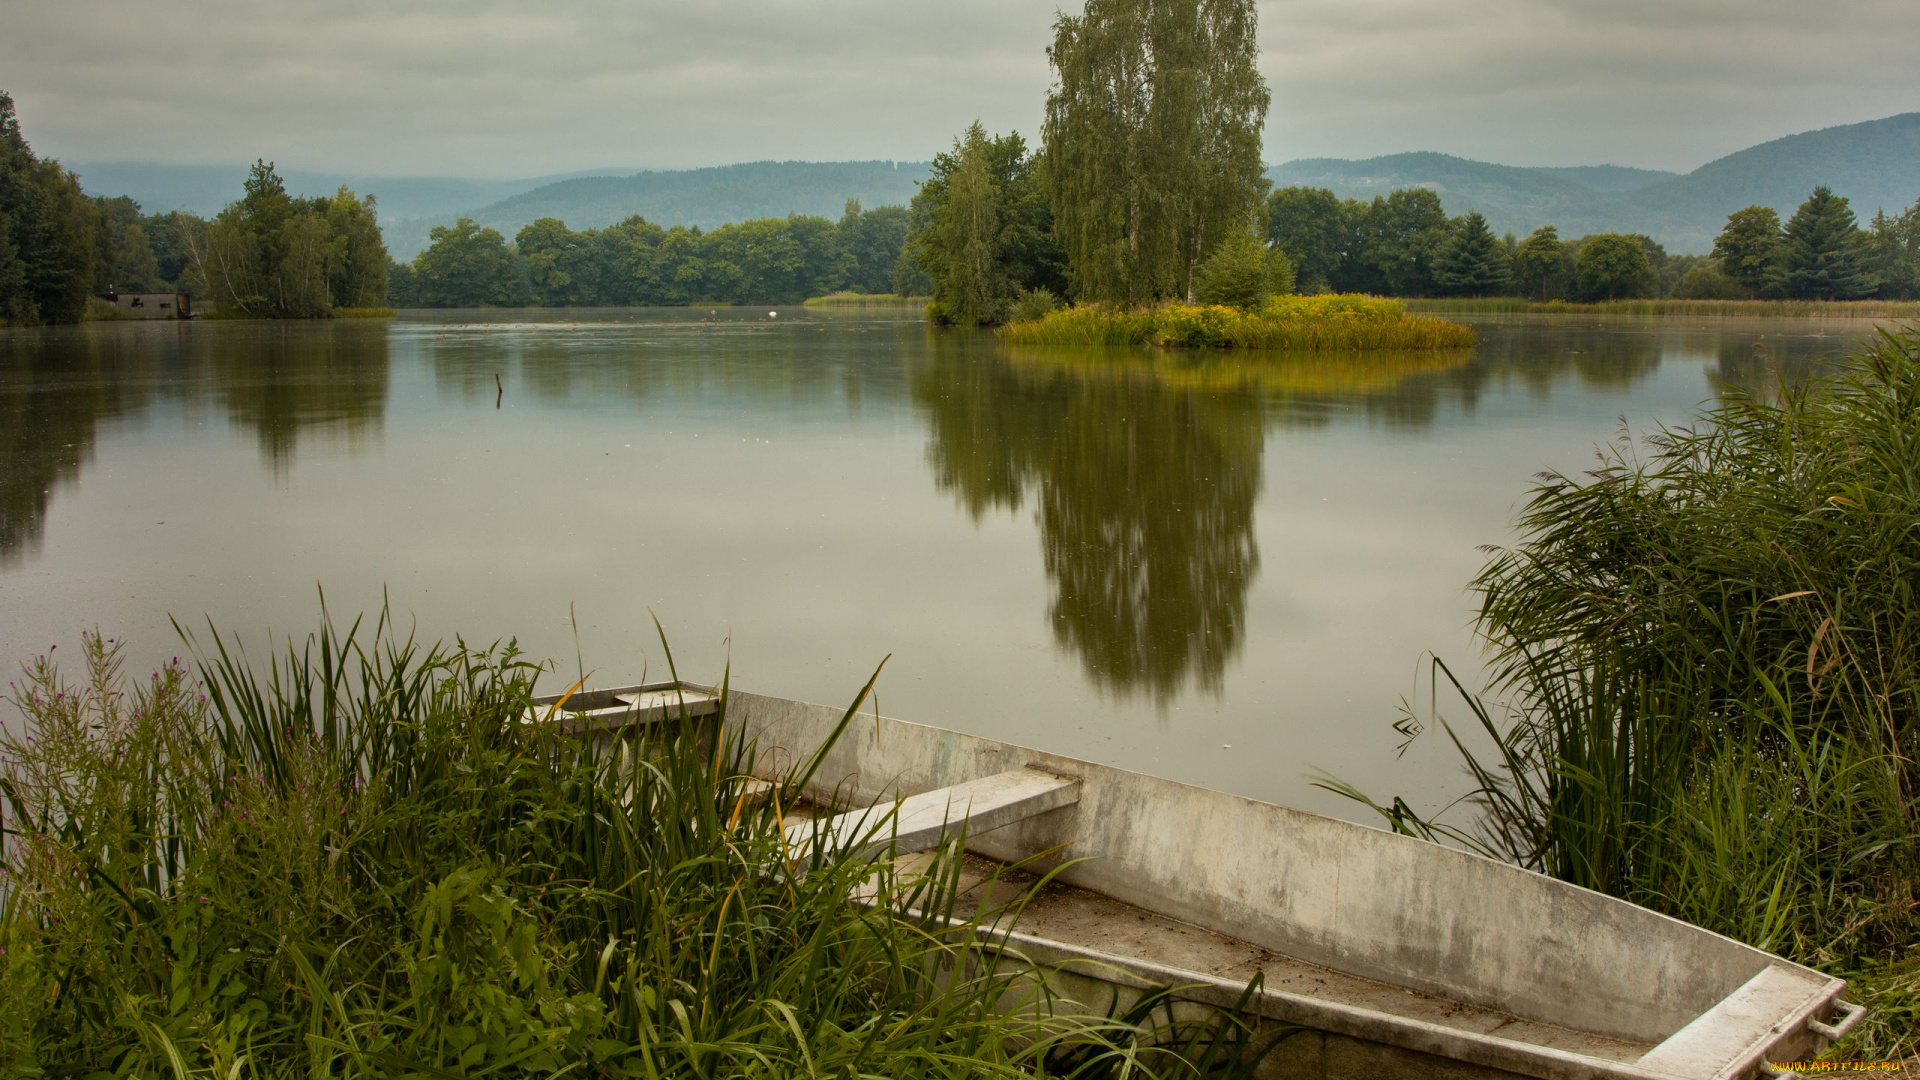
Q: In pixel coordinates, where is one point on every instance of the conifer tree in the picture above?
(1152, 140)
(1820, 251)
(1472, 262)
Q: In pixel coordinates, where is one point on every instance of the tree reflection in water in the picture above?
(1145, 469)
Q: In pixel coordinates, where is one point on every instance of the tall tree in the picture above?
(1152, 140)
(468, 266)
(1893, 254)
(964, 239)
(1748, 247)
(357, 276)
(1472, 262)
(1820, 251)
(1611, 266)
(1539, 263)
(1308, 224)
(47, 256)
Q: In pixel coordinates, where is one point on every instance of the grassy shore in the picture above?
(855, 299)
(1293, 323)
(1826, 309)
(1707, 666)
(367, 862)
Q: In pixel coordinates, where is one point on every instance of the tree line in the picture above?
(1404, 244)
(636, 262)
(267, 254)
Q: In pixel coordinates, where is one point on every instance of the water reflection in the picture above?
(52, 404)
(59, 387)
(290, 382)
(1145, 492)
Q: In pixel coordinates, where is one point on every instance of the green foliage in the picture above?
(1327, 322)
(965, 232)
(468, 266)
(367, 862)
(873, 241)
(1714, 673)
(1308, 225)
(1237, 274)
(47, 227)
(1152, 141)
(1610, 267)
(1892, 254)
(1540, 263)
(1021, 244)
(1820, 251)
(1472, 261)
(1706, 282)
(271, 255)
(1032, 304)
(1749, 246)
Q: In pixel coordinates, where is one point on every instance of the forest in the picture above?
(636, 262)
(267, 255)
(1404, 244)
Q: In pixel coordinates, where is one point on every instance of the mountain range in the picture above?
(1875, 164)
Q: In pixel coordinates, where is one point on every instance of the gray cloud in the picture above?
(506, 89)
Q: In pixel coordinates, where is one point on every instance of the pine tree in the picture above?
(1820, 252)
(1152, 140)
(1473, 262)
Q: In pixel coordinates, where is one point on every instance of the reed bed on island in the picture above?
(1706, 691)
(366, 861)
(365, 312)
(1792, 309)
(1291, 323)
(856, 299)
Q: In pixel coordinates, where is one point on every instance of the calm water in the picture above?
(1220, 571)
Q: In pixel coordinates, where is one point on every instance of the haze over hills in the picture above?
(707, 197)
(205, 189)
(1875, 164)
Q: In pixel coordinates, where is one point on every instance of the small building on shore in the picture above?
(165, 305)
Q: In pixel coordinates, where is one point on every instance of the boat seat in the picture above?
(1739, 1029)
(611, 710)
(919, 821)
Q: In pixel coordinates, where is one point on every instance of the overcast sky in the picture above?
(508, 88)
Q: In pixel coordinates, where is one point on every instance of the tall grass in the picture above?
(366, 861)
(1294, 323)
(364, 313)
(1710, 654)
(856, 299)
(1833, 309)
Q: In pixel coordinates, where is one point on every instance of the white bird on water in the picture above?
(773, 314)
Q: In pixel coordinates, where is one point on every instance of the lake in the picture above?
(1220, 569)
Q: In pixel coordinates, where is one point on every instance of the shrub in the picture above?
(1033, 304)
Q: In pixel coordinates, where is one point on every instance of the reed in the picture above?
(1710, 661)
(364, 312)
(855, 299)
(1291, 323)
(1799, 309)
(365, 861)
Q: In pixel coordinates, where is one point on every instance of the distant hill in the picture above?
(707, 197)
(1875, 165)
(205, 189)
